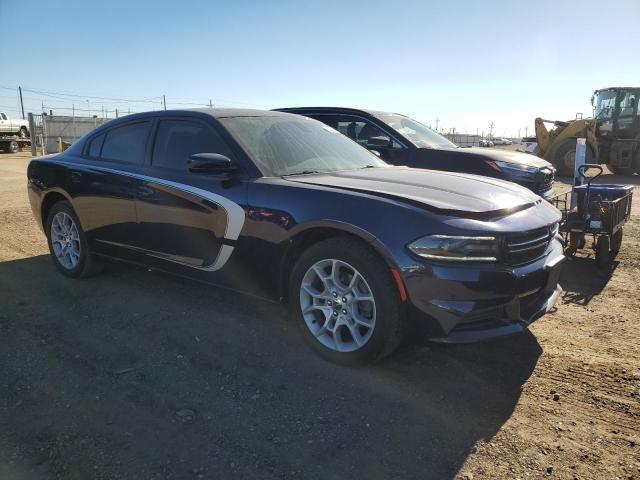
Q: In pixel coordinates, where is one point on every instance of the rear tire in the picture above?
(603, 251)
(346, 324)
(13, 147)
(68, 243)
(616, 243)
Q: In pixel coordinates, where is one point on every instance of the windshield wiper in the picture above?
(304, 172)
(368, 166)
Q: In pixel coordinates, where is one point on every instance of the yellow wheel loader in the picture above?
(613, 135)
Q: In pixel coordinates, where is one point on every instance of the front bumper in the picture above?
(467, 303)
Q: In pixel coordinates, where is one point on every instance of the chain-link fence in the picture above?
(48, 130)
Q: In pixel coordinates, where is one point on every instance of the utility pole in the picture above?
(491, 125)
(164, 102)
(526, 134)
(210, 104)
(21, 103)
(437, 123)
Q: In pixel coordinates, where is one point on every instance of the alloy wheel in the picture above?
(65, 240)
(337, 305)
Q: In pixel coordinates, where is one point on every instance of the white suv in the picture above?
(528, 145)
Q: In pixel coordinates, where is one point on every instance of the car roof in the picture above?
(219, 112)
(202, 112)
(216, 112)
(334, 109)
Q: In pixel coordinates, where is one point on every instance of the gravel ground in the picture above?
(138, 375)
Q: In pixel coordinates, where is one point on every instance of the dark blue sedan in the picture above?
(401, 140)
(286, 208)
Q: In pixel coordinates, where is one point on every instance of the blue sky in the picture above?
(466, 63)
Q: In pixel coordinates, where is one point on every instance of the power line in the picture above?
(63, 93)
(62, 96)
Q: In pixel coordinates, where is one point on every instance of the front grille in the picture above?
(547, 182)
(525, 247)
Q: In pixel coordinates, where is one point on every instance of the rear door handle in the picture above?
(145, 192)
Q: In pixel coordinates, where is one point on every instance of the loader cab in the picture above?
(616, 112)
(618, 126)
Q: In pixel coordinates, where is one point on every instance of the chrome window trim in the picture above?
(235, 214)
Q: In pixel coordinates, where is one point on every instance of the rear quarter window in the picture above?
(95, 146)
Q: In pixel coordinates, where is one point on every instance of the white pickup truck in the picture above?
(13, 127)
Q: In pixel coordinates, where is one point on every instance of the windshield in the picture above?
(420, 135)
(605, 104)
(294, 145)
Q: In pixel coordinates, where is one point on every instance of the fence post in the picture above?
(32, 132)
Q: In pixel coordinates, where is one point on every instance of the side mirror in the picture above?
(210, 163)
(379, 142)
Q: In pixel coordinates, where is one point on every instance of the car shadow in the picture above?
(582, 279)
(135, 374)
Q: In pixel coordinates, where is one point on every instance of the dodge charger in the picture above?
(286, 208)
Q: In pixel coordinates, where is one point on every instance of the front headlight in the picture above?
(456, 248)
(511, 167)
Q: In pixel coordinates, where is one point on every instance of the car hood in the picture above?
(508, 156)
(457, 193)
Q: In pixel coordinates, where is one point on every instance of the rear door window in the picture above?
(177, 140)
(126, 144)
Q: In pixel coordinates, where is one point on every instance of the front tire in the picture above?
(345, 302)
(564, 157)
(67, 242)
(23, 133)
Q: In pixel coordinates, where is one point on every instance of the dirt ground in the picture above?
(138, 375)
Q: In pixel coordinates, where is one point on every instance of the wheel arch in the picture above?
(49, 200)
(315, 232)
